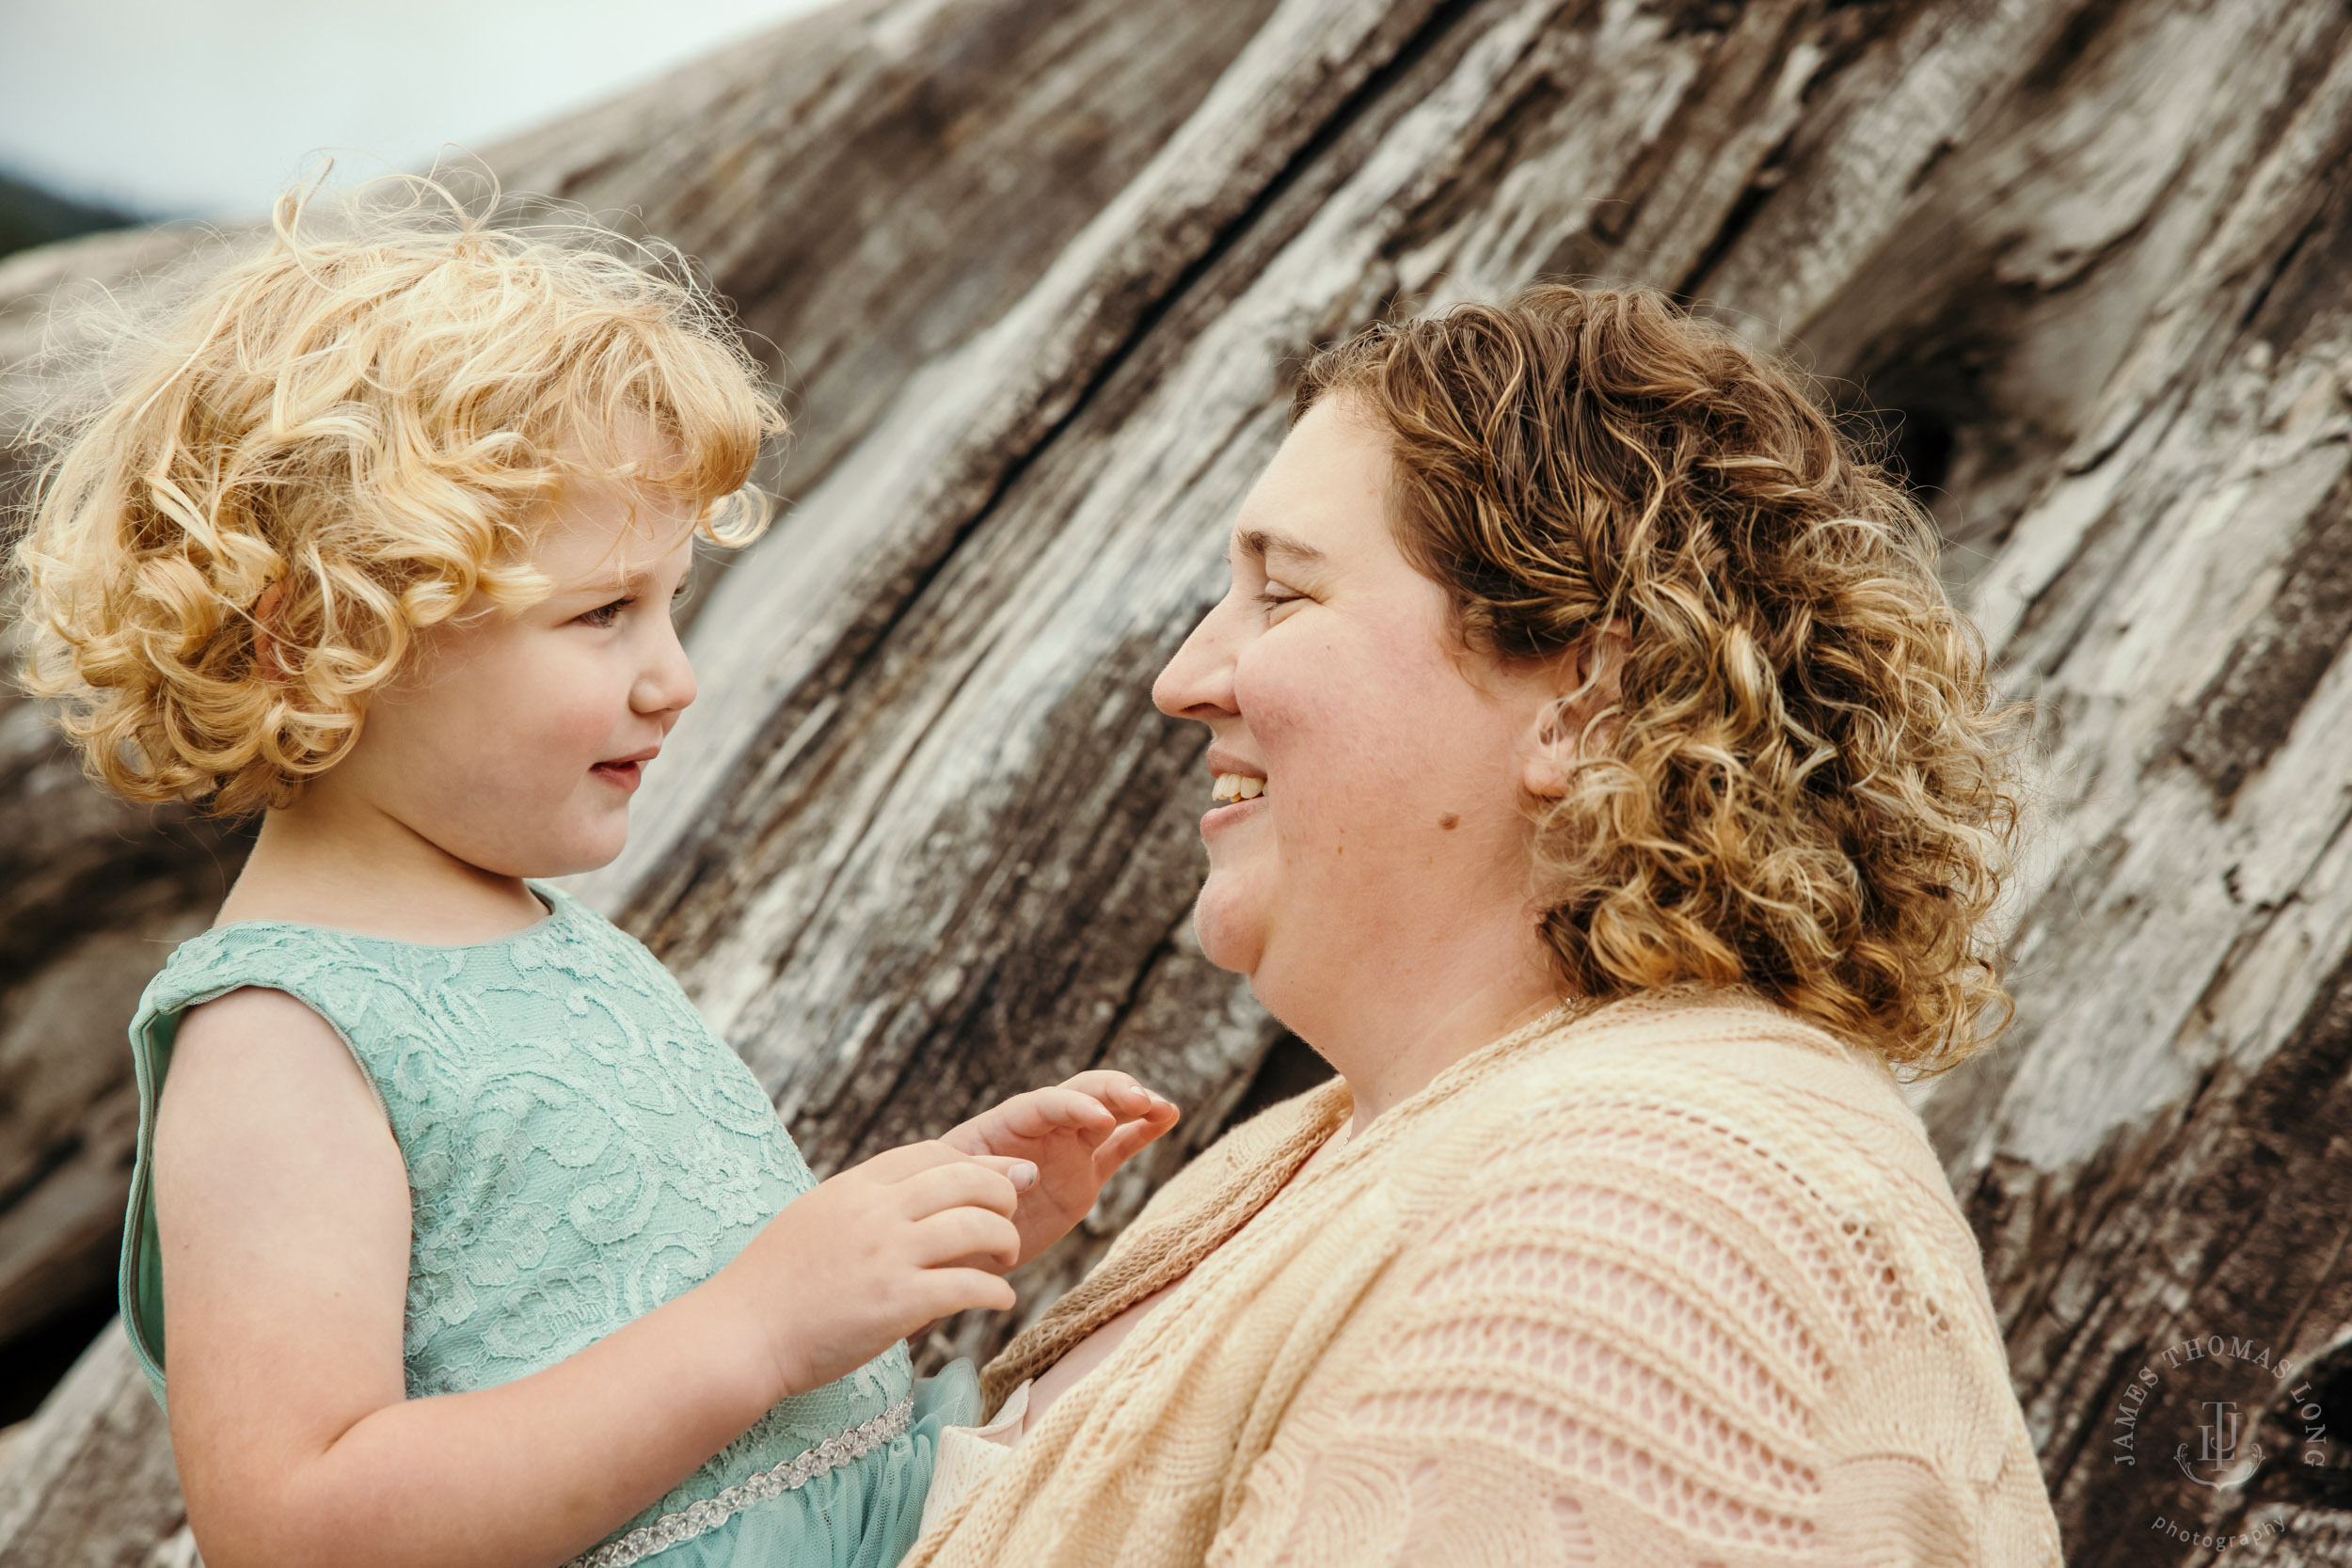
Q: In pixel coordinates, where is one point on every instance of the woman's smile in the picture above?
(1227, 813)
(1238, 786)
(1237, 789)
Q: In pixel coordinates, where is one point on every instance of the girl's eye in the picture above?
(1276, 595)
(604, 614)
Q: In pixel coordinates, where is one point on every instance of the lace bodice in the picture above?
(580, 1149)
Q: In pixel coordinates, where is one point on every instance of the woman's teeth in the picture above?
(1237, 786)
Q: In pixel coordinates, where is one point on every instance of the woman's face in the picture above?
(1380, 767)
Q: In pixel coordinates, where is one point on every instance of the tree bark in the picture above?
(1037, 276)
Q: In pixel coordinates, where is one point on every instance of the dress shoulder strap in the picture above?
(315, 966)
(362, 986)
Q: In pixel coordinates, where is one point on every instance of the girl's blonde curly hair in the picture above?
(1805, 786)
(353, 429)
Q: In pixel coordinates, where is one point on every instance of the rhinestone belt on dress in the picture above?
(708, 1514)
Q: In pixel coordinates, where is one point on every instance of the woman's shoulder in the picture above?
(1668, 1233)
(1723, 1058)
(1735, 1030)
(1749, 1125)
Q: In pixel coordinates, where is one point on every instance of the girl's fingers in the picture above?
(1039, 1112)
(1022, 1173)
(969, 1183)
(1090, 1104)
(1130, 1140)
(943, 1293)
(896, 1164)
(1116, 1090)
(1162, 1115)
(961, 1236)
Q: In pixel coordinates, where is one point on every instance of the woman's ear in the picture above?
(1585, 681)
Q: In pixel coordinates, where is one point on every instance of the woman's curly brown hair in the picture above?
(1805, 786)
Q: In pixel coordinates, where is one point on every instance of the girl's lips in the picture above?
(1220, 817)
(625, 775)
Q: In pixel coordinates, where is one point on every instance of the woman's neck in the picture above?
(1389, 1026)
(328, 861)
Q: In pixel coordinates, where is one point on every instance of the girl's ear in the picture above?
(264, 632)
(1584, 682)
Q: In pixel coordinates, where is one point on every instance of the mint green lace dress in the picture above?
(580, 1149)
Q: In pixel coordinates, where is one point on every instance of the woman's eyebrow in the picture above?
(1265, 544)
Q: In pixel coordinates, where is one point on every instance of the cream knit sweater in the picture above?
(1675, 1283)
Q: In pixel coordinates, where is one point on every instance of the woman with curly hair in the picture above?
(1607, 788)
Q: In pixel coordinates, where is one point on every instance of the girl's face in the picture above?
(1383, 765)
(514, 742)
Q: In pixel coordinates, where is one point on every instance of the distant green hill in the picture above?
(30, 215)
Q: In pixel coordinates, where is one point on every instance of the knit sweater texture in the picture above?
(1678, 1281)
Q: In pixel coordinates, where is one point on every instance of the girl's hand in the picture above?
(1077, 1134)
(869, 1257)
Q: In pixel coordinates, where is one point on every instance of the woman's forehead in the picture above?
(1323, 501)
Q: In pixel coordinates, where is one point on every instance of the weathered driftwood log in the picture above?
(1036, 273)
(92, 893)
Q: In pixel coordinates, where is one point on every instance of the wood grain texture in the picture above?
(1037, 277)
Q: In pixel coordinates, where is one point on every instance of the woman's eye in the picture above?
(1276, 595)
(604, 614)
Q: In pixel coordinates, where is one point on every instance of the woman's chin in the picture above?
(1228, 926)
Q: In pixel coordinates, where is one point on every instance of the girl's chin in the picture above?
(588, 847)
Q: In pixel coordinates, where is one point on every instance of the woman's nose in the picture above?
(1198, 682)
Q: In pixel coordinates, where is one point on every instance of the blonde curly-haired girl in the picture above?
(476, 1245)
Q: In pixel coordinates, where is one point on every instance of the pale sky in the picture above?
(206, 108)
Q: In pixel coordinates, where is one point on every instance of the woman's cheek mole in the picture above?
(1449, 821)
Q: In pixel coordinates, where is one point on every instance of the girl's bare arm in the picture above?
(282, 1205)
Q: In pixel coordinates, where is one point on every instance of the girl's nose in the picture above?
(666, 681)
